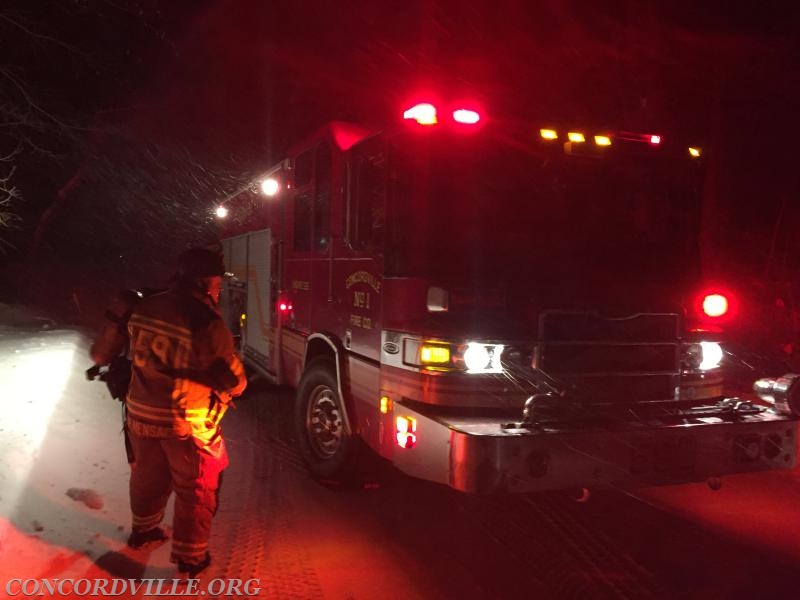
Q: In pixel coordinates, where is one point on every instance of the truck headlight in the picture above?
(483, 358)
(712, 355)
(702, 356)
(439, 355)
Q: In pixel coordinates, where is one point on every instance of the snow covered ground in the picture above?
(64, 509)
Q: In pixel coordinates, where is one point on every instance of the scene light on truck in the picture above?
(694, 152)
(270, 186)
(406, 432)
(222, 212)
(424, 114)
(576, 137)
(548, 134)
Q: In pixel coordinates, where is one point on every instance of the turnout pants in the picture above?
(193, 473)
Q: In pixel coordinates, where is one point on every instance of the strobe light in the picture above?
(466, 116)
(716, 305)
(783, 393)
(270, 186)
(423, 113)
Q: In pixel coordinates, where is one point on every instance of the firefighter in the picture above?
(185, 372)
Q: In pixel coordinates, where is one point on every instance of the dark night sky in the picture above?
(171, 105)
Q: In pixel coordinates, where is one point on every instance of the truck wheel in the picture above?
(326, 446)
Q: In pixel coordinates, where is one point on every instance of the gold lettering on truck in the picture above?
(363, 277)
(361, 322)
(361, 299)
(301, 285)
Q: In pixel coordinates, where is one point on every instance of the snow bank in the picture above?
(64, 508)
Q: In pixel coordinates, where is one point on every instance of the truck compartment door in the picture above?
(258, 326)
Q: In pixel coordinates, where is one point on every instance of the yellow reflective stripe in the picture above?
(148, 522)
(147, 417)
(174, 418)
(158, 411)
(188, 545)
(158, 326)
(164, 326)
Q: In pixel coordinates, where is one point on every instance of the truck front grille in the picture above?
(611, 360)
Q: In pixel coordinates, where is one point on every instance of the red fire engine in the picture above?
(493, 305)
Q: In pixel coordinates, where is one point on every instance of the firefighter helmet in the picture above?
(197, 263)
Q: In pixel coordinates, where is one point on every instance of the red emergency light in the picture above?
(466, 116)
(406, 432)
(654, 139)
(423, 113)
(426, 114)
(715, 305)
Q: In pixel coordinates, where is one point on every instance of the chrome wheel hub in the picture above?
(324, 422)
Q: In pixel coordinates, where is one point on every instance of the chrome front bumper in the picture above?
(480, 455)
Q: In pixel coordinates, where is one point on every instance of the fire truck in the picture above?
(494, 305)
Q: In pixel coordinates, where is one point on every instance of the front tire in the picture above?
(327, 446)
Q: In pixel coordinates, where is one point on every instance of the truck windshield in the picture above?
(468, 209)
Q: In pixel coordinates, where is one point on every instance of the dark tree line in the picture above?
(125, 121)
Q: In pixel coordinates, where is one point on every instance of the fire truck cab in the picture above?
(492, 306)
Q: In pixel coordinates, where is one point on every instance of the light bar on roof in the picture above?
(653, 139)
(602, 140)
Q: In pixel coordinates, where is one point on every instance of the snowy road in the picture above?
(389, 537)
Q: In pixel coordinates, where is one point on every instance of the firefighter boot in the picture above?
(192, 570)
(141, 539)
